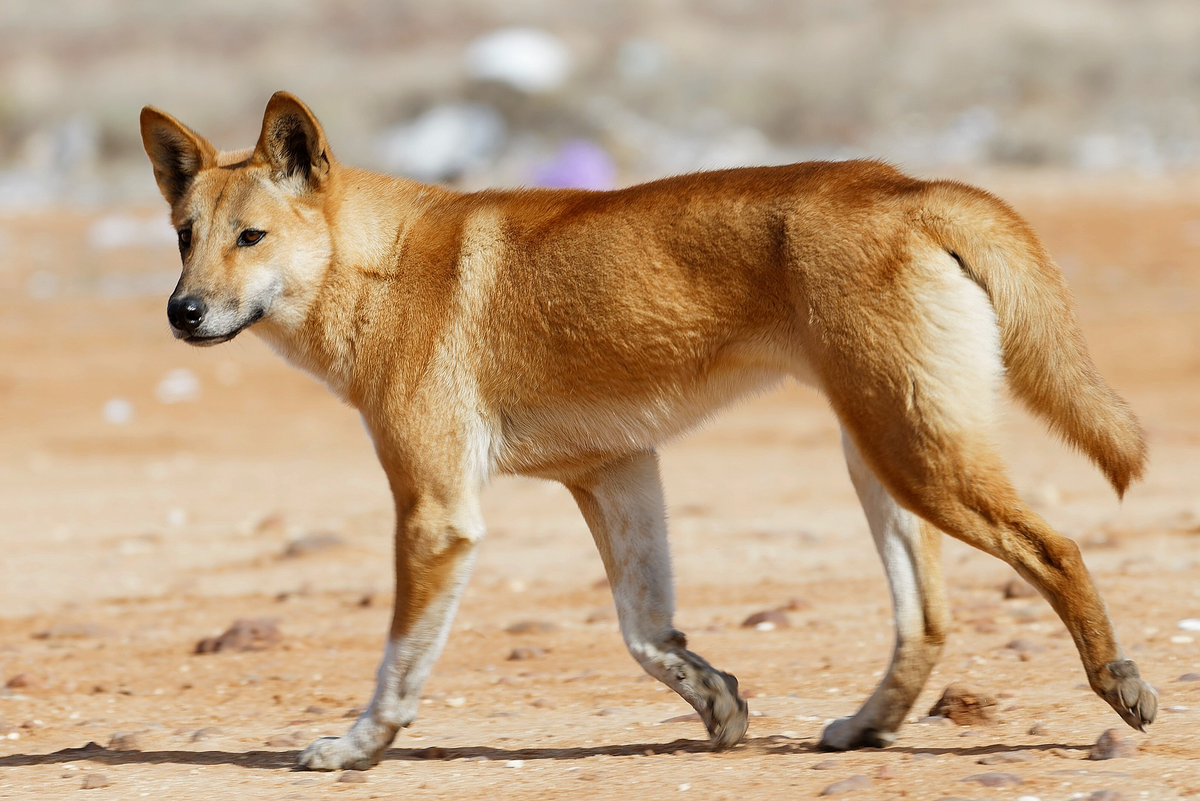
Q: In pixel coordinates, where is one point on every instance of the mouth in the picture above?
(216, 339)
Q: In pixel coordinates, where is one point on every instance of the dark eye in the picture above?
(250, 236)
(185, 239)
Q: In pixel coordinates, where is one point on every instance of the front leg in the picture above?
(436, 538)
(623, 505)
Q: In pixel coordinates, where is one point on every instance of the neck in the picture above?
(368, 217)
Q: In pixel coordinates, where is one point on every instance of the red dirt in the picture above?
(122, 546)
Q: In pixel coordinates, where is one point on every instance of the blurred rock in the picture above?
(243, 635)
(578, 164)
(996, 779)
(767, 620)
(178, 386)
(118, 412)
(119, 230)
(965, 706)
(526, 652)
(313, 543)
(24, 681)
(93, 781)
(527, 59)
(532, 627)
(859, 782)
(1019, 588)
(1113, 744)
(444, 142)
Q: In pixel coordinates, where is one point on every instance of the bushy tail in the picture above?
(1047, 361)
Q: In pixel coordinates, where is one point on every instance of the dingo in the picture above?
(564, 334)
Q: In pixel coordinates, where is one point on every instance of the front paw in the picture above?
(338, 753)
(846, 734)
(1121, 685)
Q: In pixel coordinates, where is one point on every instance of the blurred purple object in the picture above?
(579, 164)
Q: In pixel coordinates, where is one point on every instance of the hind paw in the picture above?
(1121, 685)
(846, 734)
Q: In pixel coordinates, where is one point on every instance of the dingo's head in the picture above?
(252, 231)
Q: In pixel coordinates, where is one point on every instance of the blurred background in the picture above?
(601, 92)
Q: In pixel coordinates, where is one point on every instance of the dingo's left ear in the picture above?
(176, 151)
(292, 142)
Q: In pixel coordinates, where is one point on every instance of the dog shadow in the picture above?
(282, 760)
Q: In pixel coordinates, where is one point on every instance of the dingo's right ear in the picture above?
(176, 151)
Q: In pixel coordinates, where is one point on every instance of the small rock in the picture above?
(1105, 795)
(93, 781)
(353, 777)
(1039, 729)
(1068, 753)
(293, 740)
(777, 619)
(689, 718)
(1019, 588)
(858, 782)
(125, 741)
(936, 720)
(542, 703)
(1189, 624)
(1189, 677)
(1010, 757)
(273, 525)
(243, 635)
(524, 652)
(70, 631)
(316, 710)
(1113, 744)
(532, 627)
(515, 763)
(207, 733)
(23, 681)
(996, 779)
(964, 705)
(354, 711)
(604, 614)
(825, 764)
(603, 713)
(1023, 646)
(314, 543)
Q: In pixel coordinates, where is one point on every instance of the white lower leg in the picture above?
(900, 540)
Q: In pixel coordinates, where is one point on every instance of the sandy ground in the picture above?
(122, 545)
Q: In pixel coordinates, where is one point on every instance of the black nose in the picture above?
(186, 314)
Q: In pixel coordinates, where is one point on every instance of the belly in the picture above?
(575, 430)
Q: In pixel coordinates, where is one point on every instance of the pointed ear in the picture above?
(292, 142)
(176, 151)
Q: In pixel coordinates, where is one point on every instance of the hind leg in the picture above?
(910, 550)
(623, 505)
(957, 482)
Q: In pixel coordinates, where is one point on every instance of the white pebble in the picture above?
(178, 386)
(177, 517)
(527, 59)
(683, 788)
(1190, 624)
(515, 763)
(766, 625)
(118, 412)
(456, 702)
(1182, 639)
